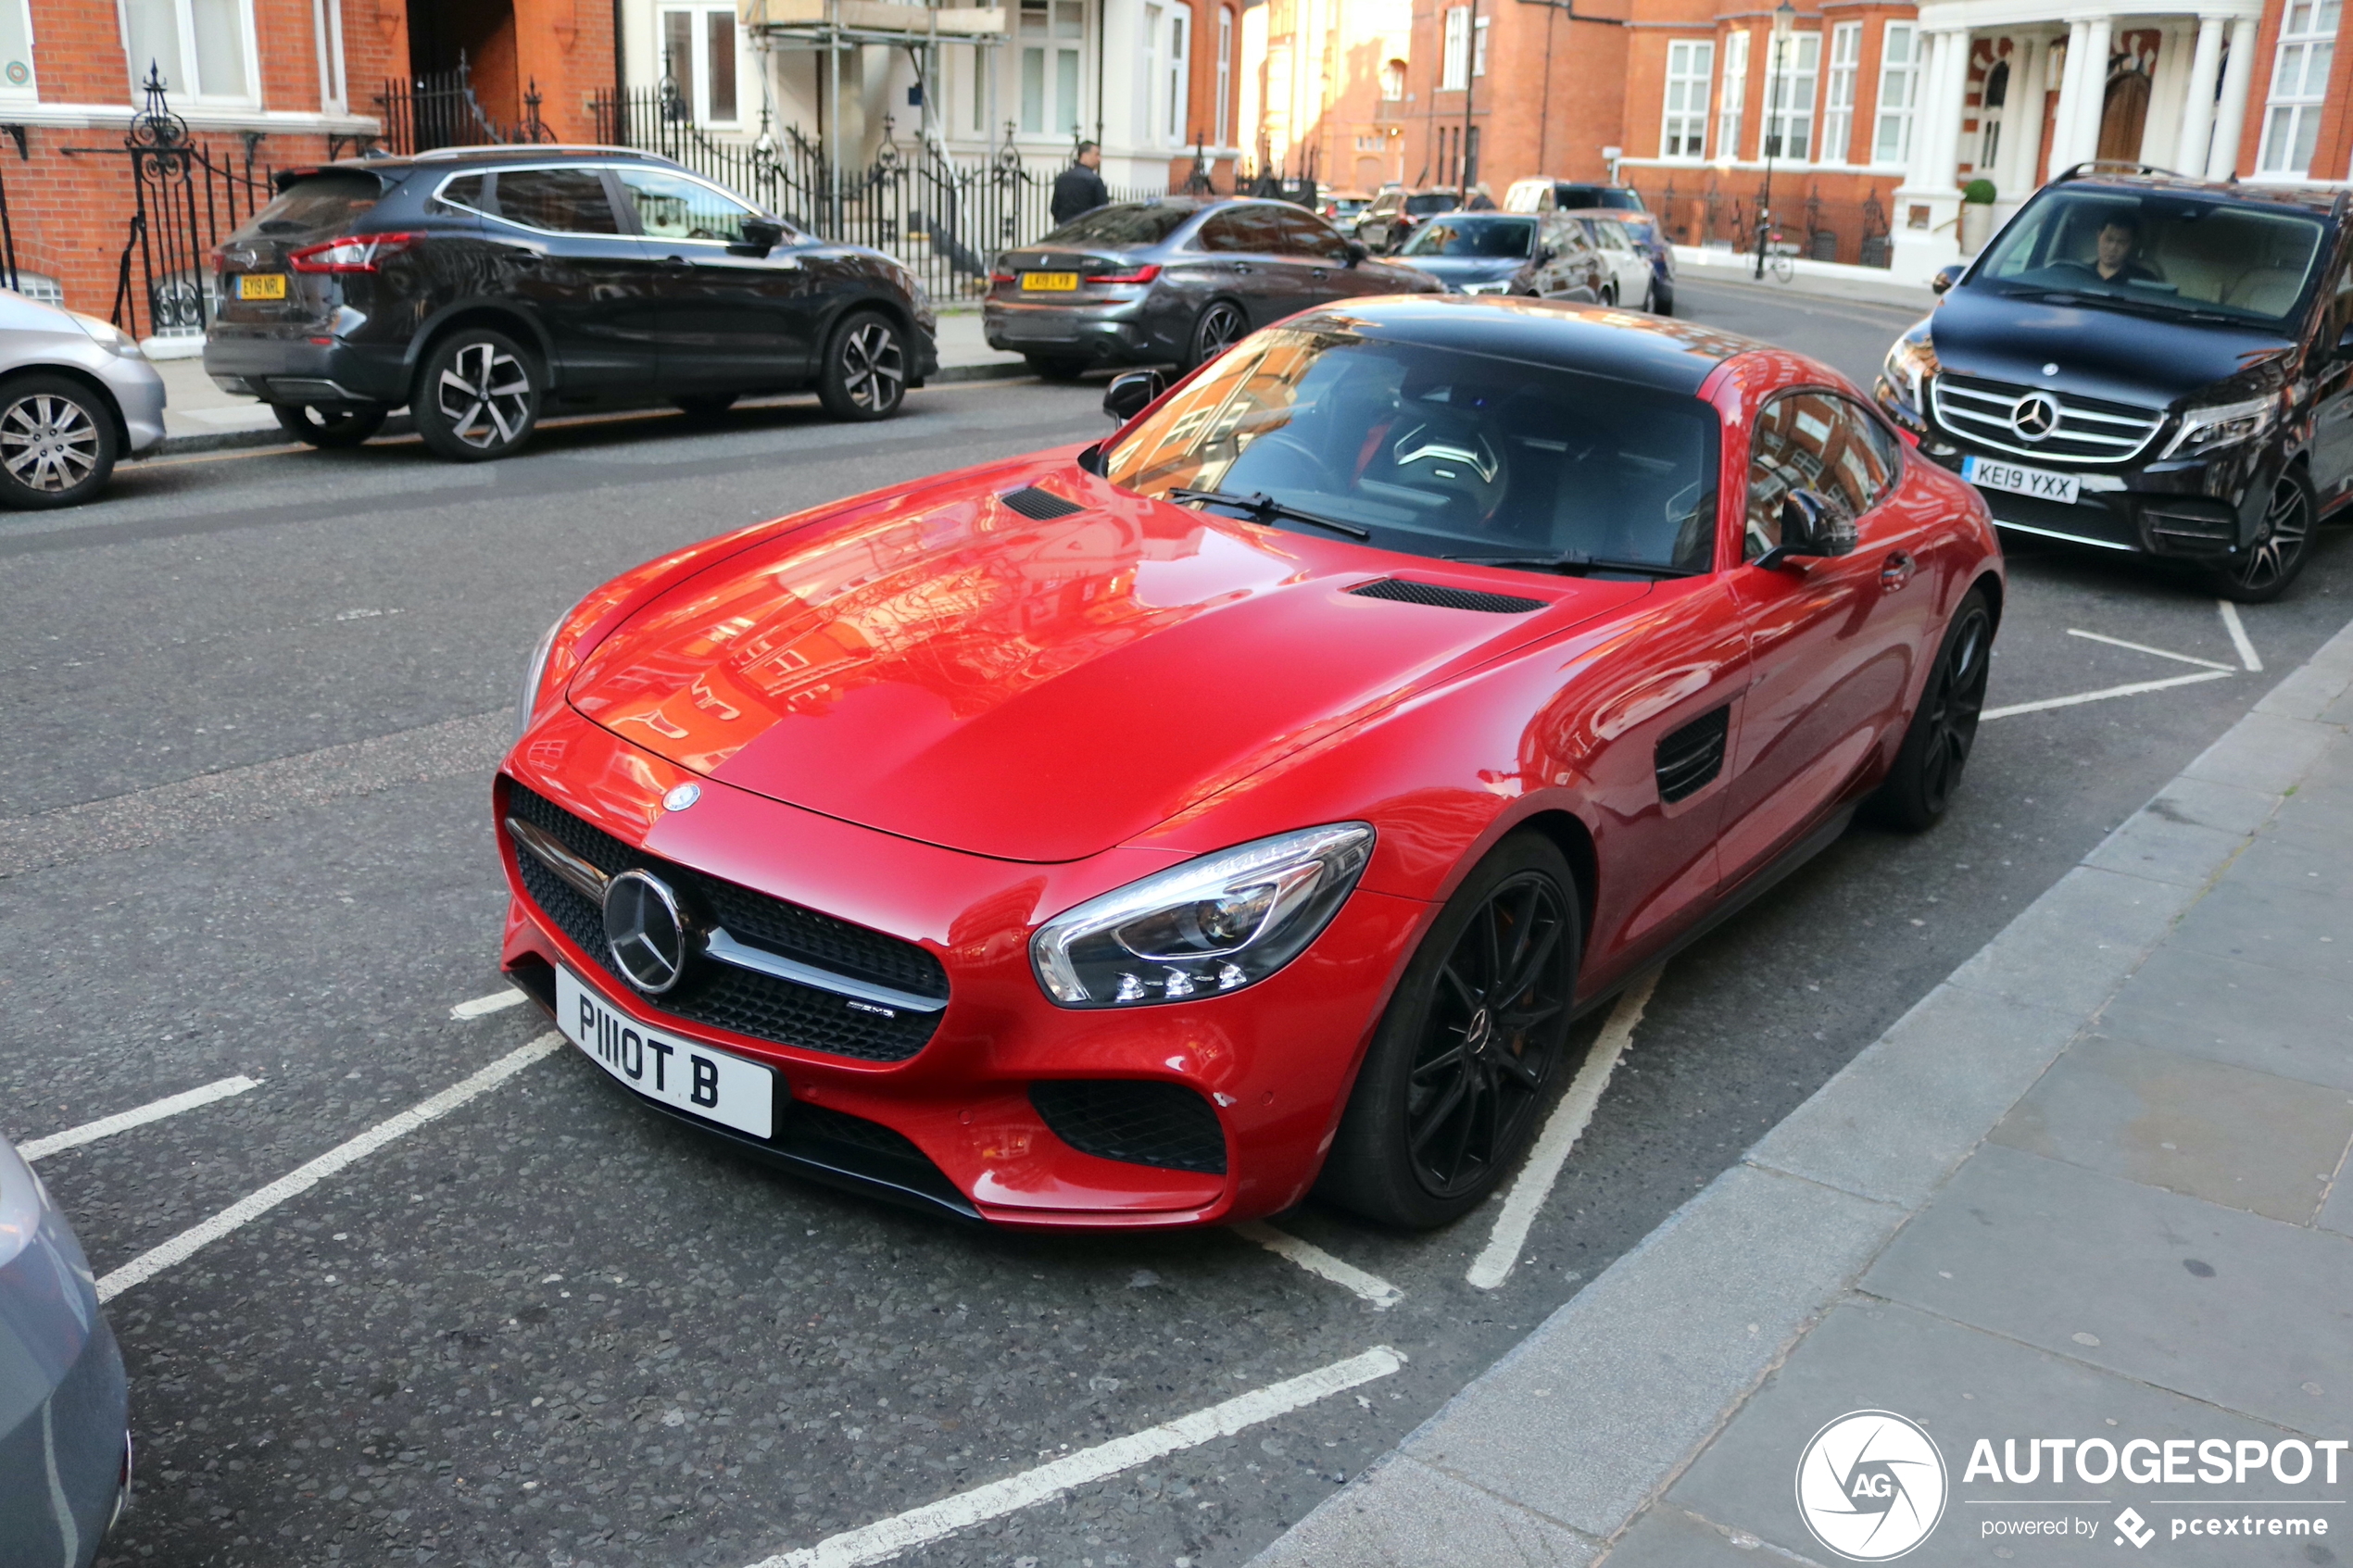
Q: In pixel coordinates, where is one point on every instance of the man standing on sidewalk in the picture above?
(1078, 188)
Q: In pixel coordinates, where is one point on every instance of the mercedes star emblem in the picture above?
(2034, 416)
(648, 934)
(678, 800)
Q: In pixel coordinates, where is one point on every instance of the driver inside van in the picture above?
(2119, 243)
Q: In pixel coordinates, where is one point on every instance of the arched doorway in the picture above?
(2123, 116)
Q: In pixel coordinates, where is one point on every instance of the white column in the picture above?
(2070, 95)
(1940, 127)
(2229, 115)
(2164, 126)
(2197, 104)
(2097, 38)
(2022, 118)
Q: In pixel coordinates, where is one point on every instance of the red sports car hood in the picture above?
(947, 669)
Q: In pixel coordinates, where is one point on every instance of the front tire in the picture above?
(1217, 328)
(345, 424)
(1451, 1088)
(866, 372)
(478, 397)
(2264, 568)
(1936, 747)
(57, 443)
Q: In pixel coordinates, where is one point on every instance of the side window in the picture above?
(1246, 229)
(467, 191)
(1814, 441)
(670, 207)
(2339, 320)
(1303, 233)
(1867, 456)
(564, 201)
(1219, 233)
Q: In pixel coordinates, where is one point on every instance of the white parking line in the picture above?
(1315, 1261)
(2136, 689)
(2143, 648)
(1494, 1262)
(2231, 623)
(920, 1526)
(304, 1178)
(498, 1001)
(123, 1121)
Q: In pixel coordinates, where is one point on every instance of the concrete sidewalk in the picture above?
(2088, 1198)
(198, 416)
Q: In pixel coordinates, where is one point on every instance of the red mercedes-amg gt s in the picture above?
(1146, 835)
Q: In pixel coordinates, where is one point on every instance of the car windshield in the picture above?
(1473, 236)
(2163, 253)
(1124, 223)
(1435, 452)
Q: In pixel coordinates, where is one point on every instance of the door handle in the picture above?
(673, 261)
(1321, 274)
(1895, 571)
(1240, 266)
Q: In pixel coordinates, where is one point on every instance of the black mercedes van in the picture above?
(2148, 363)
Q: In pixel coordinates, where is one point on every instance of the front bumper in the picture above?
(1275, 1060)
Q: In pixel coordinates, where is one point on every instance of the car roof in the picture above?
(1663, 352)
(400, 167)
(2311, 198)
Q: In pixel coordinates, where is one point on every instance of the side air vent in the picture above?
(1040, 505)
(1406, 591)
(1135, 1121)
(1690, 756)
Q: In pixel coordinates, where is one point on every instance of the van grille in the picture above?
(2084, 430)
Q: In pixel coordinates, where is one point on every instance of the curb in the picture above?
(1550, 1456)
(237, 440)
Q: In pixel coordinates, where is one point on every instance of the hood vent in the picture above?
(1406, 591)
(1040, 505)
(1690, 758)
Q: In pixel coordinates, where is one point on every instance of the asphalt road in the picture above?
(553, 1328)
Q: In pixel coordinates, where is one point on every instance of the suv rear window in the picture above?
(325, 203)
(1126, 224)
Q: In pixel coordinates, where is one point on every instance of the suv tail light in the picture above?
(1135, 275)
(353, 253)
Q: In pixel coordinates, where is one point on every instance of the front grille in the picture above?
(1135, 1121)
(1040, 505)
(760, 1006)
(1405, 590)
(1691, 756)
(2087, 430)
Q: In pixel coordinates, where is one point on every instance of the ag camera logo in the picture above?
(1870, 1486)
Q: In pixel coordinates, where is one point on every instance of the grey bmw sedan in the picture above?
(1173, 282)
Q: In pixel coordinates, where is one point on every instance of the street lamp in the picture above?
(1785, 23)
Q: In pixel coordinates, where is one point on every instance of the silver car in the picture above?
(64, 1445)
(75, 396)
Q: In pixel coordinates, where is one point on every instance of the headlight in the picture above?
(1909, 364)
(534, 675)
(1211, 925)
(109, 336)
(2223, 424)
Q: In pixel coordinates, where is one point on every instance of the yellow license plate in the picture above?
(262, 286)
(1060, 283)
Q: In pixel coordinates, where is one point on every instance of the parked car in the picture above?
(1650, 237)
(1341, 208)
(1141, 836)
(2153, 364)
(480, 286)
(1633, 282)
(1397, 212)
(1173, 281)
(1507, 253)
(1542, 195)
(65, 1447)
(76, 395)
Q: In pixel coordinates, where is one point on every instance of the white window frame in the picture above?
(699, 67)
(1056, 120)
(1177, 71)
(180, 92)
(1838, 92)
(1455, 54)
(1732, 91)
(2300, 64)
(1225, 73)
(30, 88)
(1898, 99)
(1479, 46)
(1791, 86)
(326, 27)
(1682, 122)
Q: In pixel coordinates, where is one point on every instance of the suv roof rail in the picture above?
(2116, 165)
(529, 149)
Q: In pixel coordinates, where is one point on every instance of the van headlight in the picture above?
(1909, 364)
(1205, 927)
(2217, 425)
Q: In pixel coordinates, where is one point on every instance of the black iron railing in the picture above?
(439, 109)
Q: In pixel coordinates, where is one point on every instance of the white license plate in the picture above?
(702, 1082)
(1991, 473)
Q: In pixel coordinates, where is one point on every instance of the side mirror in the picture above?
(760, 237)
(1356, 252)
(1945, 278)
(1812, 526)
(1130, 395)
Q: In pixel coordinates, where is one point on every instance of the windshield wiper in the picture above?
(1263, 508)
(1578, 565)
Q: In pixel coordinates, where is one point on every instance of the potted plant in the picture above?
(1977, 216)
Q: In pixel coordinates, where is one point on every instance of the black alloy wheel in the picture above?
(1936, 747)
(57, 443)
(865, 370)
(478, 397)
(704, 405)
(337, 424)
(2262, 571)
(1451, 1091)
(1217, 330)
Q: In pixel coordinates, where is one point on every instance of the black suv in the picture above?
(2148, 363)
(477, 286)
